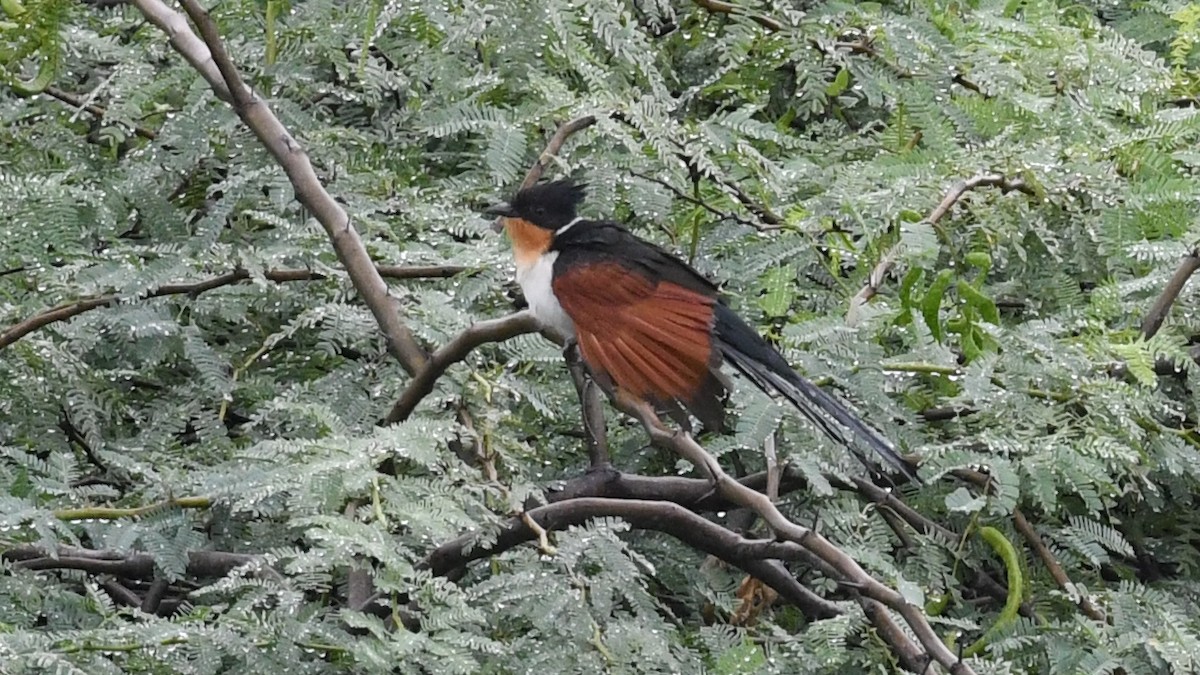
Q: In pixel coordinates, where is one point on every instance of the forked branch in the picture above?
(846, 570)
(492, 330)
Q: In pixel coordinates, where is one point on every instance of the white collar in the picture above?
(568, 226)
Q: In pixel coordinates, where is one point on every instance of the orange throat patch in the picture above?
(528, 240)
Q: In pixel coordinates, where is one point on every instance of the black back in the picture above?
(593, 241)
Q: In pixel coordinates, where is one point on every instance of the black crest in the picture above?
(549, 205)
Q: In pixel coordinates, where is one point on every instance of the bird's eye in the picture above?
(540, 210)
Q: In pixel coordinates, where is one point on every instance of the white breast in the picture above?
(535, 281)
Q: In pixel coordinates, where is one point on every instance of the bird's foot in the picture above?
(570, 350)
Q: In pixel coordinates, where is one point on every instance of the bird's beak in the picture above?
(501, 210)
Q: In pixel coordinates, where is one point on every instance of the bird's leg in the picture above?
(570, 351)
(591, 406)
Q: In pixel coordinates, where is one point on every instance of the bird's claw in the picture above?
(570, 350)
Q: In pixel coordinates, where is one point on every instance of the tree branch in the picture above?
(848, 571)
(554, 146)
(721, 7)
(878, 274)
(1056, 571)
(1162, 306)
(703, 204)
(492, 330)
(665, 517)
(202, 564)
(696, 494)
(209, 58)
(70, 310)
(112, 513)
(96, 110)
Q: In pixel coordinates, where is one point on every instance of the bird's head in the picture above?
(549, 205)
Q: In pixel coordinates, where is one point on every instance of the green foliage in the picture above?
(838, 136)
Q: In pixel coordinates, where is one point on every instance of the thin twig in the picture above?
(1162, 306)
(96, 110)
(879, 273)
(554, 146)
(759, 209)
(113, 513)
(540, 532)
(74, 435)
(492, 330)
(721, 7)
(1056, 571)
(72, 309)
(722, 215)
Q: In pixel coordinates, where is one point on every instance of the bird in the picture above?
(648, 326)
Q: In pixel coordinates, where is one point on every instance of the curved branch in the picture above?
(73, 309)
(848, 571)
(556, 142)
(876, 278)
(721, 7)
(492, 330)
(755, 557)
(209, 58)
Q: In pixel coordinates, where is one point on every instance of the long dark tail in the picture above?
(766, 368)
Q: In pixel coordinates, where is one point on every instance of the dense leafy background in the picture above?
(842, 131)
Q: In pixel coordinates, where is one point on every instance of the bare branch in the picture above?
(209, 57)
(554, 146)
(419, 271)
(154, 596)
(1056, 571)
(96, 110)
(696, 494)
(203, 564)
(756, 557)
(879, 273)
(492, 330)
(72, 309)
(721, 7)
(1162, 306)
(848, 571)
(121, 593)
(703, 204)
